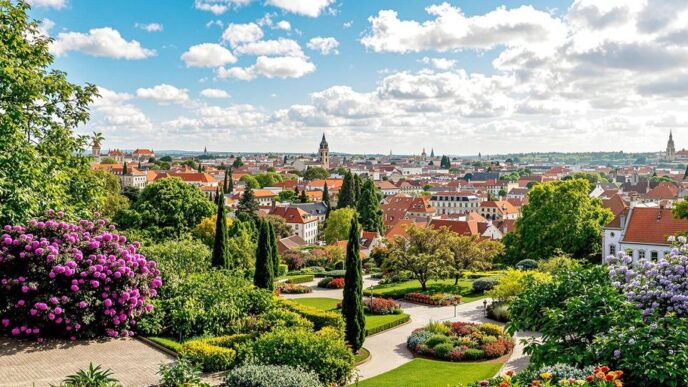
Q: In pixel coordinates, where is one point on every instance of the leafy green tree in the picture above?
(241, 248)
(347, 194)
(469, 253)
(219, 259)
(248, 204)
(108, 160)
(264, 275)
(250, 181)
(178, 258)
(286, 196)
(170, 208)
(132, 193)
(326, 199)
(282, 229)
(352, 303)
(338, 224)
(237, 162)
(560, 217)
(268, 179)
(42, 164)
(314, 173)
(167, 159)
(114, 200)
(369, 212)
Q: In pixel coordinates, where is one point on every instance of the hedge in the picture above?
(215, 353)
(319, 318)
(403, 318)
(300, 279)
(167, 342)
(282, 270)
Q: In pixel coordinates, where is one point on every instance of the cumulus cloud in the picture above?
(439, 63)
(207, 55)
(270, 67)
(278, 47)
(102, 42)
(218, 7)
(115, 115)
(283, 25)
(312, 8)
(325, 46)
(214, 93)
(164, 94)
(150, 27)
(237, 34)
(49, 3)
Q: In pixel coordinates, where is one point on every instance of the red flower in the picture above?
(589, 378)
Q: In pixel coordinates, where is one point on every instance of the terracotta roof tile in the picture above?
(653, 226)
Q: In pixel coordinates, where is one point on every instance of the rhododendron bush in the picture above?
(72, 280)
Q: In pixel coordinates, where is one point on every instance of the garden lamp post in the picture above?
(485, 307)
(455, 303)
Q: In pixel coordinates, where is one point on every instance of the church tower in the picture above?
(324, 153)
(670, 149)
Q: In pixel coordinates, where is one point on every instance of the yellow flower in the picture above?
(546, 375)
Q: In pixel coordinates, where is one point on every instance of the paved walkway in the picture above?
(25, 363)
(388, 349)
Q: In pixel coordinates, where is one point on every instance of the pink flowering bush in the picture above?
(59, 279)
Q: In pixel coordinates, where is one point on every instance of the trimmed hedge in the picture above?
(335, 273)
(319, 318)
(169, 343)
(256, 375)
(403, 318)
(300, 279)
(215, 353)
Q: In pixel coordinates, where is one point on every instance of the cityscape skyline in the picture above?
(509, 76)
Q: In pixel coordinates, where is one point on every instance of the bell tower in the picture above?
(324, 153)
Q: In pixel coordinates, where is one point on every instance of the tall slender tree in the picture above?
(230, 184)
(358, 186)
(369, 212)
(274, 250)
(347, 194)
(125, 169)
(248, 204)
(219, 258)
(264, 275)
(352, 303)
(225, 182)
(326, 199)
(303, 198)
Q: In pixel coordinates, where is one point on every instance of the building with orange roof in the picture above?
(199, 179)
(399, 228)
(498, 210)
(303, 224)
(468, 228)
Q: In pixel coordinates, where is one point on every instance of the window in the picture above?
(612, 250)
(654, 255)
(641, 254)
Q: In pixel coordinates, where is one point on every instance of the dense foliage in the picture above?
(178, 258)
(72, 280)
(338, 224)
(352, 304)
(256, 375)
(460, 341)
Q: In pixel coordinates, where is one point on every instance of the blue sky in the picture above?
(519, 75)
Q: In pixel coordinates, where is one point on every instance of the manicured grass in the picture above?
(374, 323)
(432, 373)
(363, 354)
(166, 342)
(398, 290)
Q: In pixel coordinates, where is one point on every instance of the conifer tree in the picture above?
(352, 303)
(369, 212)
(303, 198)
(219, 258)
(264, 274)
(125, 169)
(225, 182)
(230, 185)
(248, 204)
(347, 192)
(358, 185)
(326, 199)
(274, 250)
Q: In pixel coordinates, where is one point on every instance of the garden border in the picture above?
(156, 346)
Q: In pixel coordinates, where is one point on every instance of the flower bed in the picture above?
(601, 376)
(331, 283)
(442, 299)
(460, 341)
(294, 289)
(381, 306)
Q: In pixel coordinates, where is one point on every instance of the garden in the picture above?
(460, 341)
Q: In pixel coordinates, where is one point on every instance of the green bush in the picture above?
(319, 318)
(485, 283)
(324, 353)
(438, 328)
(442, 350)
(335, 273)
(180, 373)
(178, 258)
(474, 354)
(167, 342)
(209, 356)
(491, 329)
(436, 340)
(526, 264)
(300, 279)
(256, 375)
(282, 270)
(498, 311)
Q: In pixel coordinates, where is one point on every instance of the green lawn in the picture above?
(433, 373)
(363, 354)
(399, 289)
(373, 322)
(166, 342)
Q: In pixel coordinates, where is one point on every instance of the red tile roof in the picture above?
(293, 215)
(461, 227)
(653, 226)
(663, 191)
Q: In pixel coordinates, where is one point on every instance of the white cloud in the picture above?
(150, 27)
(284, 25)
(218, 7)
(326, 46)
(164, 94)
(452, 30)
(270, 67)
(49, 3)
(237, 34)
(207, 55)
(45, 26)
(103, 42)
(279, 47)
(115, 116)
(312, 8)
(439, 63)
(214, 93)
(348, 24)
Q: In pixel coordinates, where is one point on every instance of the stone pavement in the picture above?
(25, 363)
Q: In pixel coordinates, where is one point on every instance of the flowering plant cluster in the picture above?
(293, 289)
(381, 306)
(72, 280)
(599, 377)
(331, 283)
(442, 299)
(460, 341)
(656, 287)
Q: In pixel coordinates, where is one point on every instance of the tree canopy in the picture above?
(369, 212)
(338, 223)
(313, 173)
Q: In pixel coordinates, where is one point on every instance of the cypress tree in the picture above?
(220, 245)
(303, 198)
(125, 170)
(347, 192)
(248, 204)
(369, 212)
(685, 175)
(326, 199)
(224, 182)
(264, 274)
(352, 303)
(358, 185)
(230, 186)
(274, 250)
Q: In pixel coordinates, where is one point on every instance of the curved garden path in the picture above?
(388, 349)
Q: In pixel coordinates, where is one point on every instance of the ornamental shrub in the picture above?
(336, 283)
(442, 350)
(381, 306)
(474, 354)
(491, 329)
(437, 339)
(460, 341)
(526, 264)
(180, 373)
(324, 353)
(515, 282)
(256, 375)
(335, 273)
(209, 356)
(483, 284)
(319, 318)
(325, 282)
(72, 280)
(417, 338)
(498, 311)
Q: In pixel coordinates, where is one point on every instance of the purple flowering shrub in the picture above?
(59, 279)
(655, 287)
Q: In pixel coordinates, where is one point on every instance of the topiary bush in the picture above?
(526, 264)
(209, 356)
(474, 354)
(256, 375)
(72, 280)
(484, 284)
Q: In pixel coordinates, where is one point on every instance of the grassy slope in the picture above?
(432, 373)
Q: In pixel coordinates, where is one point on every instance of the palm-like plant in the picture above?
(93, 377)
(97, 138)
